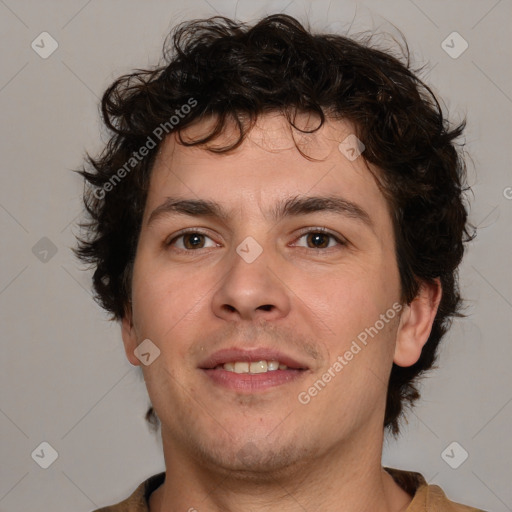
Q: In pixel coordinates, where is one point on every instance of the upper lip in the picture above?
(229, 355)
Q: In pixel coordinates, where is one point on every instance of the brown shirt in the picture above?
(426, 498)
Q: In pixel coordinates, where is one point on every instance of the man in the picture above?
(277, 222)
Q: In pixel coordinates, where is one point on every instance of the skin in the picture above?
(231, 451)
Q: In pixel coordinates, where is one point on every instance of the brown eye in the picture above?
(193, 241)
(190, 241)
(318, 240)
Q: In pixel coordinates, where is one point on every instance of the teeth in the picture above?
(273, 365)
(241, 367)
(259, 367)
(254, 367)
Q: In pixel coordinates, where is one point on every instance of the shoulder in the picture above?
(138, 500)
(425, 497)
(436, 500)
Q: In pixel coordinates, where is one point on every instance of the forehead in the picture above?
(267, 166)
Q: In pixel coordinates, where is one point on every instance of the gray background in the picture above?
(65, 379)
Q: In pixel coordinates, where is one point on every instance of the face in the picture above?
(255, 259)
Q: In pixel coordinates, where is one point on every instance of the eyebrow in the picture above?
(291, 207)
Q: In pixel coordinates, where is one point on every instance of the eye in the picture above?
(320, 238)
(190, 241)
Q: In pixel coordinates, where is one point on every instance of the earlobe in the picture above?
(129, 338)
(416, 323)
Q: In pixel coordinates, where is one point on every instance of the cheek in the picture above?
(349, 301)
(165, 299)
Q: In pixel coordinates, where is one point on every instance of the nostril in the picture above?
(266, 307)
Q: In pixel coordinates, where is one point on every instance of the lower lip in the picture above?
(251, 382)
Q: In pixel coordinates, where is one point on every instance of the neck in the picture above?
(346, 478)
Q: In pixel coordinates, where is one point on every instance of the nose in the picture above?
(251, 291)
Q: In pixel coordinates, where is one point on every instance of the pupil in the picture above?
(317, 237)
(197, 240)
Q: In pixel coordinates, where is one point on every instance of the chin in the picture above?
(253, 460)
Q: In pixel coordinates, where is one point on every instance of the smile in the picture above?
(252, 368)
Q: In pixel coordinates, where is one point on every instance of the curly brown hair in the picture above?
(237, 72)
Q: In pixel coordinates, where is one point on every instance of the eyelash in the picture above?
(338, 239)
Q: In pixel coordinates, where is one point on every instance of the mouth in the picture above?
(247, 371)
(254, 367)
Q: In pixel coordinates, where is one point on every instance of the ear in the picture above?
(129, 337)
(416, 323)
